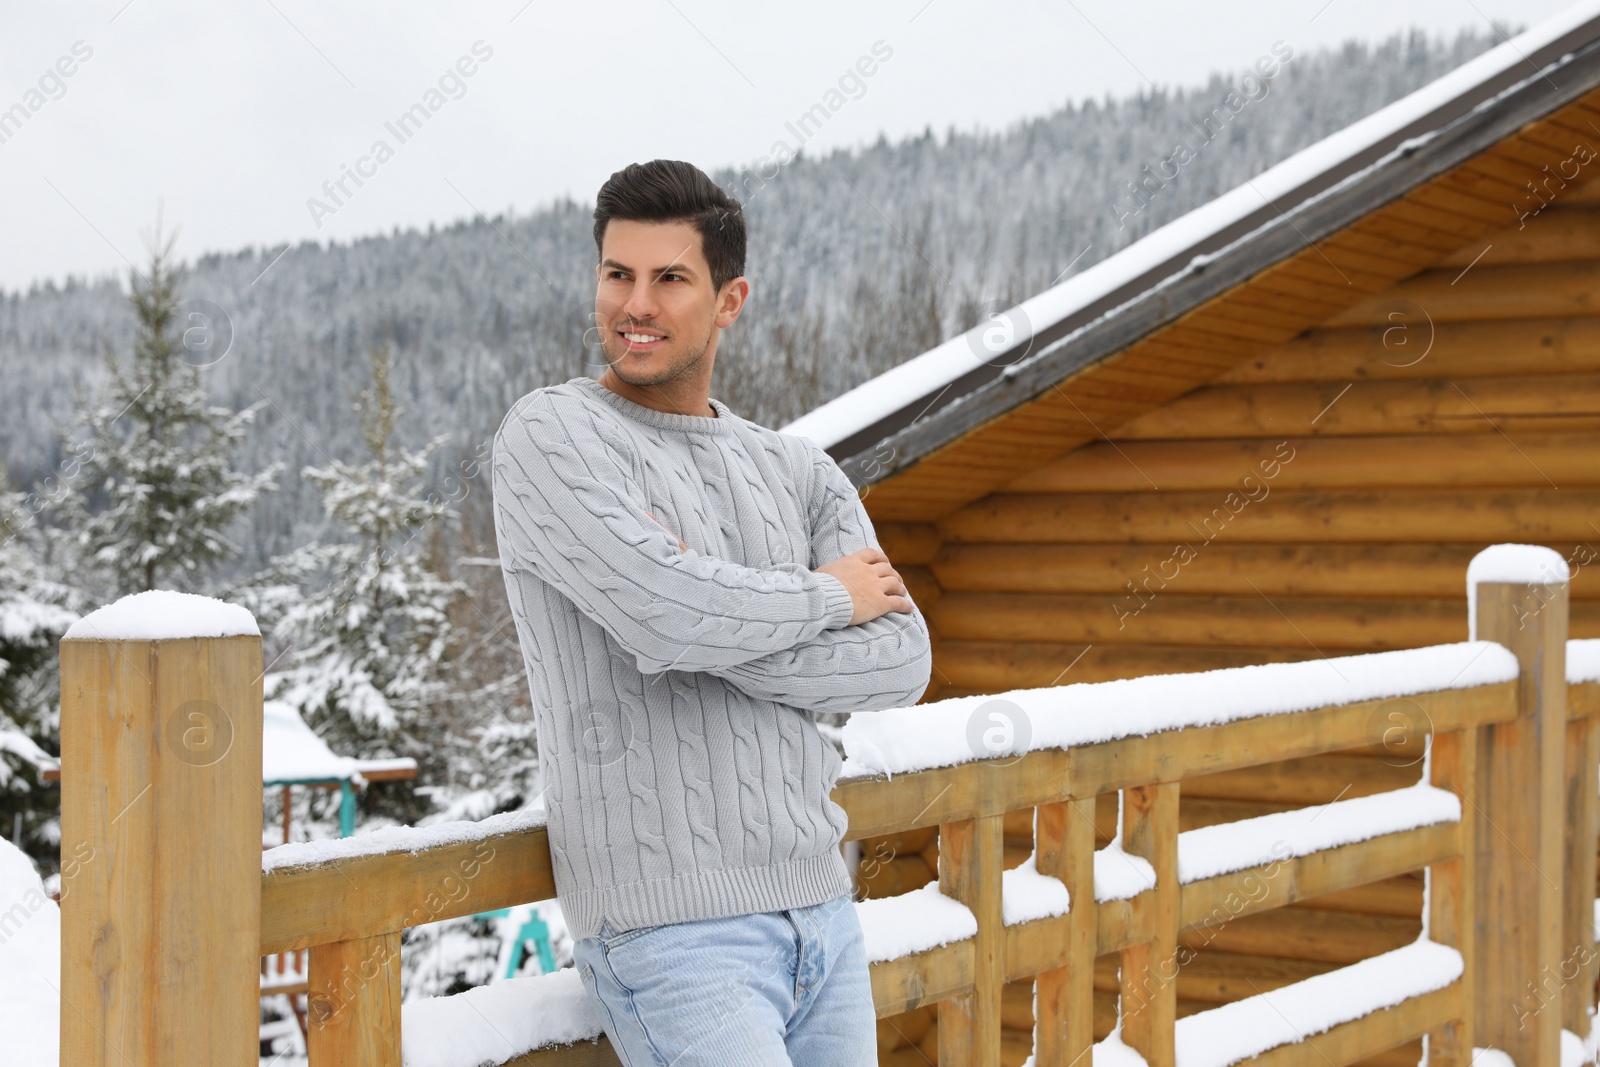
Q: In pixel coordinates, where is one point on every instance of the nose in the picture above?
(641, 303)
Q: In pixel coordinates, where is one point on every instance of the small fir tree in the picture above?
(366, 648)
(158, 491)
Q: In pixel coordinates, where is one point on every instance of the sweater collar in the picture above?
(722, 424)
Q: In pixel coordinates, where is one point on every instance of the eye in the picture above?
(672, 274)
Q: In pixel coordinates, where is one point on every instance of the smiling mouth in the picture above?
(639, 339)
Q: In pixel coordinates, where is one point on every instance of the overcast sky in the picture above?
(232, 117)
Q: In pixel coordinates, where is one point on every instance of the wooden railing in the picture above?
(181, 906)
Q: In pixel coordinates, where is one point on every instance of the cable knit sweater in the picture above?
(673, 691)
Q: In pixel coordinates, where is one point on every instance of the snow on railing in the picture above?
(937, 734)
(1295, 1013)
(1235, 846)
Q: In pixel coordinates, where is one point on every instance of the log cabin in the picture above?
(1276, 429)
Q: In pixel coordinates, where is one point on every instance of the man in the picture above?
(689, 588)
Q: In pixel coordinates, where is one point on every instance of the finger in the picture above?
(900, 603)
(872, 555)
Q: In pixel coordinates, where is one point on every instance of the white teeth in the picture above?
(641, 338)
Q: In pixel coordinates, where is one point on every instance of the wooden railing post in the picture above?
(1579, 967)
(1451, 905)
(353, 1003)
(971, 854)
(1149, 983)
(1520, 826)
(1064, 849)
(161, 816)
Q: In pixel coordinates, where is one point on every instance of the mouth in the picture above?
(641, 340)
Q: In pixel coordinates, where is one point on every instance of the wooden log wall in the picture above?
(1320, 499)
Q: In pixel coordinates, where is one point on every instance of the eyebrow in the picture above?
(670, 268)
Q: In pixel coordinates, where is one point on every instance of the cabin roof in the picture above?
(1085, 328)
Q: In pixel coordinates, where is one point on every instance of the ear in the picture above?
(731, 301)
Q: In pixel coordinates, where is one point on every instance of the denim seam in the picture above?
(799, 954)
(633, 1012)
(607, 1009)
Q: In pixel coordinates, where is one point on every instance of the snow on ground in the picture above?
(912, 922)
(1226, 847)
(162, 614)
(30, 964)
(940, 733)
(1248, 1027)
(1524, 564)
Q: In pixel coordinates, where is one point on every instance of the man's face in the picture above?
(653, 302)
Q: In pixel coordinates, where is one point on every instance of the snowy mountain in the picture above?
(858, 261)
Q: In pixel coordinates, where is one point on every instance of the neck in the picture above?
(687, 395)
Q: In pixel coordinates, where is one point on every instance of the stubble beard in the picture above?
(678, 367)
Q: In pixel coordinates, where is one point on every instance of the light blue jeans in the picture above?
(768, 989)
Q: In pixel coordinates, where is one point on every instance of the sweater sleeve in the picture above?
(882, 663)
(569, 509)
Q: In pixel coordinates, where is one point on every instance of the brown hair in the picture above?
(670, 190)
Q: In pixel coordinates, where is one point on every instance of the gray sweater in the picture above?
(673, 691)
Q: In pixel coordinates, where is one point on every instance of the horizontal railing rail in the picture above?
(316, 893)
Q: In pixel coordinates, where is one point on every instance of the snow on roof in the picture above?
(1521, 564)
(945, 733)
(161, 615)
(937, 368)
(292, 752)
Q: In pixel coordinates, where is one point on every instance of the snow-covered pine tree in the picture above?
(34, 613)
(158, 489)
(366, 648)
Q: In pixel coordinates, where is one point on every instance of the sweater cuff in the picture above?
(839, 606)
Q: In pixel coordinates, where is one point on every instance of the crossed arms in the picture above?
(569, 508)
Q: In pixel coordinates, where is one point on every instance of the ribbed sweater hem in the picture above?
(707, 894)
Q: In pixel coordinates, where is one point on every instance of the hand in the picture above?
(875, 587)
(681, 546)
